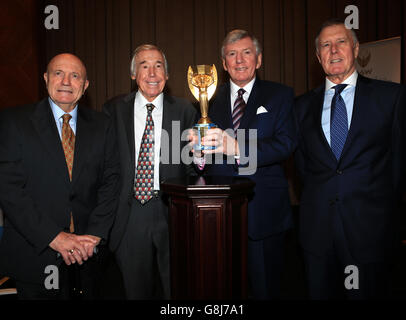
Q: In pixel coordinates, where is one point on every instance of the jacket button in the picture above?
(339, 172)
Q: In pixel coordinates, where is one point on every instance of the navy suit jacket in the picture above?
(269, 210)
(363, 187)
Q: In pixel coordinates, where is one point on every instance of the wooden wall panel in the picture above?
(118, 47)
(317, 13)
(299, 40)
(272, 42)
(403, 11)
(104, 33)
(171, 33)
(207, 37)
(19, 50)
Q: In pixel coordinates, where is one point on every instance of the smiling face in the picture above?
(337, 53)
(150, 73)
(66, 81)
(241, 61)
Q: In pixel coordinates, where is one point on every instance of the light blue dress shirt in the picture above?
(58, 114)
(348, 97)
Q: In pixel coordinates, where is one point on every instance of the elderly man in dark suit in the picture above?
(147, 121)
(260, 135)
(351, 159)
(59, 174)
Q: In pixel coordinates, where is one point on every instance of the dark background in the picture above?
(103, 33)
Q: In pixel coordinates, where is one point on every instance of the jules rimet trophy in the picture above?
(202, 80)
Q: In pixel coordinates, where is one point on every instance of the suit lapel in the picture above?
(222, 108)
(167, 118)
(317, 114)
(44, 123)
(359, 108)
(83, 141)
(127, 113)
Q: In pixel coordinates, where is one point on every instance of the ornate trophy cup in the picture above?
(202, 80)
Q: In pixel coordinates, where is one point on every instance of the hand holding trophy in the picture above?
(202, 80)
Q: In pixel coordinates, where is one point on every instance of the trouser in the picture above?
(143, 254)
(337, 274)
(265, 264)
(75, 282)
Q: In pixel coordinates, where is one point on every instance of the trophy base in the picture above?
(201, 129)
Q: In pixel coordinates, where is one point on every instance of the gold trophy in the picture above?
(202, 80)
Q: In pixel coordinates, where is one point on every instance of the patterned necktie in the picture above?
(144, 178)
(338, 121)
(238, 110)
(68, 144)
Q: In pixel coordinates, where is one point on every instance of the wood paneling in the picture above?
(20, 77)
(104, 33)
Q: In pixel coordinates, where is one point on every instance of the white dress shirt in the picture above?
(140, 117)
(58, 114)
(234, 92)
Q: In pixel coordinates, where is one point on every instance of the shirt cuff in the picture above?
(199, 162)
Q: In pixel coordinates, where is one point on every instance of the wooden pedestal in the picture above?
(208, 236)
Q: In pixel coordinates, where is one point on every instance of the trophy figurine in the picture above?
(202, 80)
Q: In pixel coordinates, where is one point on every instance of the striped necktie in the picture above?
(238, 110)
(338, 121)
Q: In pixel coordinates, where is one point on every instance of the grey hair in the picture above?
(133, 66)
(330, 23)
(237, 34)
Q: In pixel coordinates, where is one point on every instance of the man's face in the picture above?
(65, 80)
(337, 53)
(150, 73)
(241, 61)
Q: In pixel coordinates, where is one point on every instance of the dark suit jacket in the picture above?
(269, 210)
(122, 112)
(36, 193)
(363, 186)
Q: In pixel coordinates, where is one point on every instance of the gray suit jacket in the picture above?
(121, 109)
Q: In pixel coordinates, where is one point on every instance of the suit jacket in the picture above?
(36, 194)
(269, 210)
(122, 112)
(364, 185)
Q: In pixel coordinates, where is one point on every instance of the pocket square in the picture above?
(261, 109)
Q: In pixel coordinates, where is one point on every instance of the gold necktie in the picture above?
(68, 144)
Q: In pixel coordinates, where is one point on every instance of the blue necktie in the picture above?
(338, 121)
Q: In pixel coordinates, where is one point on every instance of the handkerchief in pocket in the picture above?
(261, 109)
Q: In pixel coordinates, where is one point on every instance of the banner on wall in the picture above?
(380, 59)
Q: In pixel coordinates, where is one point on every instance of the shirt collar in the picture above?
(141, 101)
(248, 87)
(350, 81)
(58, 112)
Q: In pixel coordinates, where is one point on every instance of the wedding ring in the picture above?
(71, 251)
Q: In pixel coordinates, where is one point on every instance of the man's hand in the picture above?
(89, 242)
(223, 142)
(193, 140)
(71, 247)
